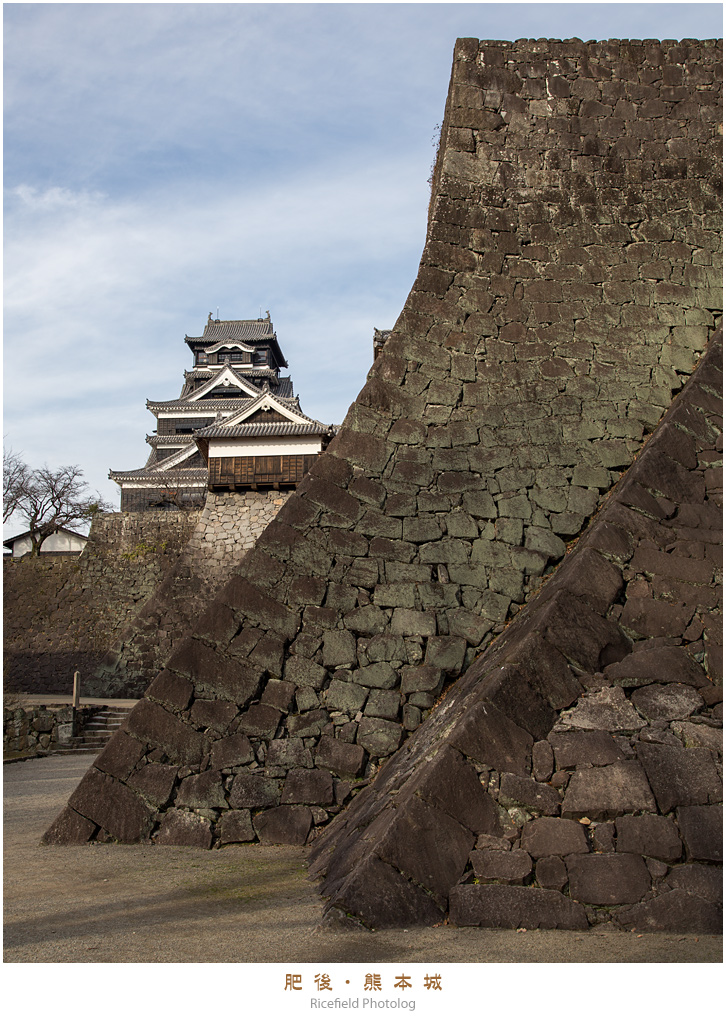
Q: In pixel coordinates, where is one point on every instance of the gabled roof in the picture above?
(257, 430)
(226, 376)
(267, 400)
(26, 534)
(249, 330)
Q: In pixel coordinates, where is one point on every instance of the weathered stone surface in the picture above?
(184, 828)
(507, 867)
(289, 824)
(380, 674)
(234, 750)
(660, 665)
(606, 709)
(236, 827)
(538, 797)
(308, 724)
(451, 784)
(594, 747)
(489, 737)
(259, 608)
(338, 648)
(345, 696)
(203, 791)
(697, 734)
(154, 725)
(154, 782)
(679, 776)
(304, 673)
(288, 753)
(383, 704)
(412, 622)
(702, 831)
(278, 694)
(607, 879)
(492, 906)
(215, 714)
(542, 761)
(704, 880)
(70, 828)
(580, 634)
(383, 898)
(420, 678)
(380, 737)
(446, 653)
(120, 756)
(227, 677)
(308, 786)
(252, 790)
(427, 846)
(171, 690)
(652, 618)
(676, 911)
(343, 759)
(649, 835)
(667, 701)
(551, 873)
(553, 837)
(113, 806)
(259, 721)
(600, 793)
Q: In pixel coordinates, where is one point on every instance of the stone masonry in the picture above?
(568, 285)
(224, 532)
(62, 613)
(573, 776)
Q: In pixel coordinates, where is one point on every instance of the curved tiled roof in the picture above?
(156, 477)
(263, 429)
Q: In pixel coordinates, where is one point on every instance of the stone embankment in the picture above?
(572, 777)
(223, 533)
(568, 286)
(61, 613)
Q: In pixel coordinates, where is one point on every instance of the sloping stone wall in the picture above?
(572, 777)
(223, 533)
(61, 613)
(568, 284)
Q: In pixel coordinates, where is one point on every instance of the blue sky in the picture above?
(167, 160)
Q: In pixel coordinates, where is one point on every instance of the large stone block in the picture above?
(112, 806)
(489, 737)
(593, 747)
(253, 790)
(656, 665)
(259, 721)
(446, 653)
(379, 736)
(607, 879)
(344, 759)
(606, 709)
(70, 828)
(674, 911)
(120, 756)
(236, 827)
(649, 835)
(383, 704)
(508, 867)
(305, 673)
(234, 750)
(380, 674)
(203, 791)
(426, 845)
(308, 786)
(492, 906)
(171, 690)
(606, 792)
(679, 775)
(582, 636)
(289, 824)
(381, 897)
(259, 608)
(154, 782)
(667, 701)
(288, 753)
(553, 837)
(339, 648)
(410, 622)
(184, 828)
(226, 676)
(154, 725)
(451, 784)
(536, 797)
(704, 880)
(702, 831)
(216, 715)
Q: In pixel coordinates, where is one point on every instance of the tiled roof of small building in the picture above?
(236, 329)
(257, 430)
(156, 477)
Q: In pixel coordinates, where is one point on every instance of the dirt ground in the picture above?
(116, 904)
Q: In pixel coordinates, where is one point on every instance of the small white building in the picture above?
(62, 541)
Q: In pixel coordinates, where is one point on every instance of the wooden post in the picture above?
(76, 689)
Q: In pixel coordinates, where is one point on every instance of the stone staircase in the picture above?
(96, 733)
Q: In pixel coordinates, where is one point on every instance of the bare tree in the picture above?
(49, 500)
(16, 474)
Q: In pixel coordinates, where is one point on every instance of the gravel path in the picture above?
(108, 903)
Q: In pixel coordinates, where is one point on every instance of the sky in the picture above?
(164, 161)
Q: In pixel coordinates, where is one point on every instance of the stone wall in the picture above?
(41, 728)
(572, 777)
(61, 613)
(568, 285)
(224, 532)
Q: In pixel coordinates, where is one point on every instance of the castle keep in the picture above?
(236, 425)
(476, 656)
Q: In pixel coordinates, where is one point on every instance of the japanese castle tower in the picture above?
(235, 425)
